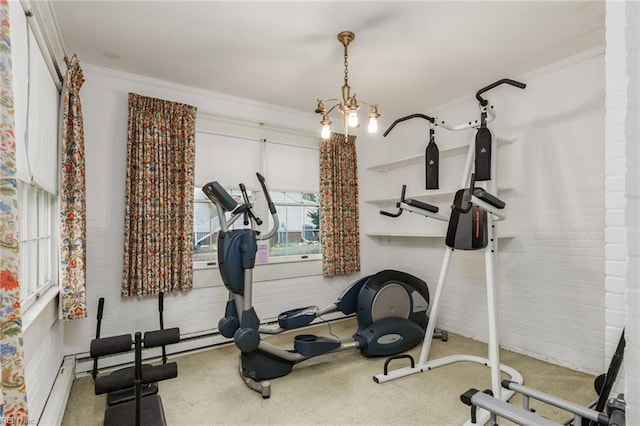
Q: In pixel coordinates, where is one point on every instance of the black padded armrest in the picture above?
(488, 198)
(422, 205)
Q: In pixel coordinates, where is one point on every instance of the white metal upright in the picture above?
(493, 214)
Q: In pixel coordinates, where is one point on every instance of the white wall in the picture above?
(104, 103)
(551, 274)
(623, 193)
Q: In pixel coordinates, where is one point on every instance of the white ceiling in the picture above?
(407, 56)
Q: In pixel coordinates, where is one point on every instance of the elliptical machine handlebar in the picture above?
(272, 210)
(248, 213)
(272, 207)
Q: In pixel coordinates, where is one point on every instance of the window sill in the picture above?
(272, 261)
(30, 316)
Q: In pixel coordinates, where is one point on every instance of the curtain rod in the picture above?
(256, 139)
(41, 20)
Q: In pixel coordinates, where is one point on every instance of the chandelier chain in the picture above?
(346, 66)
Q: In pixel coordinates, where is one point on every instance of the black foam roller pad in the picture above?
(161, 337)
(113, 382)
(110, 345)
(160, 372)
(483, 154)
(432, 160)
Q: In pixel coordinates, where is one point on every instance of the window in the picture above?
(36, 104)
(37, 262)
(231, 150)
(206, 225)
(298, 235)
(299, 231)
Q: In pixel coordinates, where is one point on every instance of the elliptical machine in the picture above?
(390, 306)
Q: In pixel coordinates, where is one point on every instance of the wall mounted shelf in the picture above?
(419, 159)
(417, 235)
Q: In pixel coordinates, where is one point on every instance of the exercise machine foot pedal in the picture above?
(311, 345)
(296, 318)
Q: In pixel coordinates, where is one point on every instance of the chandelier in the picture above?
(348, 106)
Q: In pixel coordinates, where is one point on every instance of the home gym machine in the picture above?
(139, 410)
(474, 210)
(124, 395)
(390, 306)
(604, 411)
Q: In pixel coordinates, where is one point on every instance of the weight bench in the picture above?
(139, 411)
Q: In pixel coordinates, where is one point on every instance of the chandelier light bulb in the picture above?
(326, 132)
(373, 125)
(352, 119)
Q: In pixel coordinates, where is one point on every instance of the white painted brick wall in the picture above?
(622, 194)
(551, 276)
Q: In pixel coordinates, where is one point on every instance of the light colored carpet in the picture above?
(335, 389)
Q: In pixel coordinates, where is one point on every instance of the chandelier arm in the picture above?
(332, 108)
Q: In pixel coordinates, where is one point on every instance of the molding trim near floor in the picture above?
(189, 344)
(57, 402)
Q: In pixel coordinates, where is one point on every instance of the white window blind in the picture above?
(228, 160)
(233, 150)
(292, 168)
(20, 74)
(42, 121)
(36, 103)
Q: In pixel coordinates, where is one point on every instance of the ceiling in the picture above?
(406, 56)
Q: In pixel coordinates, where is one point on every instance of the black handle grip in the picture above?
(401, 356)
(399, 212)
(100, 308)
(484, 102)
(404, 190)
(272, 207)
(408, 117)
(245, 197)
(94, 371)
(248, 214)
(382, 212)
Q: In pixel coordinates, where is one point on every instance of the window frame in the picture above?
(262, 209)
(38, 241)
(301, 204)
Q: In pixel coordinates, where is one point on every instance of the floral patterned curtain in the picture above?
(158, 243)
(73, 228)
(13, 392)
(339, 205)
